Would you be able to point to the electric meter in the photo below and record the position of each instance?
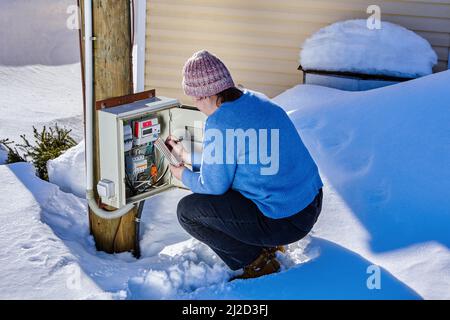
(146, 131)
(132, 167)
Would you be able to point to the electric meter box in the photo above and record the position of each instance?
(132, 168)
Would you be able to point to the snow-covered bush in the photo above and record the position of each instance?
(352, 47)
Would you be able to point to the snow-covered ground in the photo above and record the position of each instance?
(47, 253)
(35, 32)
(40, 95)
(383, 155)
(40, 72)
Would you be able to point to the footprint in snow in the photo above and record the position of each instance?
(333, 141)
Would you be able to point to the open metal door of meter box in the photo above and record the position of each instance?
(144, 120)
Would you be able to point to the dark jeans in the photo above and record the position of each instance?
(237, 230)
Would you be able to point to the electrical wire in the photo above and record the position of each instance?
(130, 184)
(160, 178)
(116, 233)
(152, 185)
(135, 190)
(137, 247)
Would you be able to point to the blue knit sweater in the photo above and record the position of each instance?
(266, 161)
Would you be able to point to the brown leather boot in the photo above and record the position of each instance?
(265, 264)
(274, 250)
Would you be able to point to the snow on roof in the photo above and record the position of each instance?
(351, 46)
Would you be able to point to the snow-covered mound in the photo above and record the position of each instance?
(35, 32)
(386, 151)
(351, 46)
(384, 154)
(68, 171)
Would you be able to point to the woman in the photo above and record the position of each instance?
(240, 208)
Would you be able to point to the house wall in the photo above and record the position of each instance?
(259, 40)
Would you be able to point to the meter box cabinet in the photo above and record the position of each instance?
(132, 168)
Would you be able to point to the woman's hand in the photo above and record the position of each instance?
(177, 172)
(178, 149)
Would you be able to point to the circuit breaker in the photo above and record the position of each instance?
(132, 168)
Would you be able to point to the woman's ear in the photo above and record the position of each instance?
(216, 101)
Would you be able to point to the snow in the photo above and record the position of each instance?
(40, 74)
(40, 96)
(336, 274)
(382, 153)
(68, 171)
(384, 156)
(47, 253)
(351, 46)
(36, 262)
(3, 155)
(37, 33)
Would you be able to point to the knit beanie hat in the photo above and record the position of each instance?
(204, 75)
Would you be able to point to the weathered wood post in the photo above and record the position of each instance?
(112, 78)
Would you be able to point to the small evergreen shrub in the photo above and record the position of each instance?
(13, 155)
(48, 144)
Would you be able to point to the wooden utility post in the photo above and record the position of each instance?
(112, 78)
